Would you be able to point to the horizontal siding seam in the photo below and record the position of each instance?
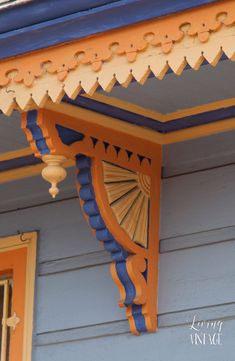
(167, 245)
(173, 319)
(201, 170)
(197, 239)
(38, 205)
(210, 243)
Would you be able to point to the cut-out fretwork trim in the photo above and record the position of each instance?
(187, 38)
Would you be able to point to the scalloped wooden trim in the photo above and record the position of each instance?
(189, 37)
(134, 267)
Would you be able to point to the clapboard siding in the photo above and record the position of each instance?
(76, 312)
(75, 262)
(90, 259)
(188, 279)
(63, 230)
(31, 192)
(69, 292)
(195, 278)
(198, 202)
(197, 154)
(168, 344)
(220, 312)
(217, 235)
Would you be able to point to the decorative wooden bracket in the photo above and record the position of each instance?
(118, 181)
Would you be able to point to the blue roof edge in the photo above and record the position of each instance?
(36, 28)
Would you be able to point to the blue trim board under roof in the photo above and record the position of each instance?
(39, 24)
(20, 162)
(132, 118)
(140, 120)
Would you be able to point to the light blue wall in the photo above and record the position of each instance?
(76, 312)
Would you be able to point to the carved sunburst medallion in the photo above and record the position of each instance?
(128, 195)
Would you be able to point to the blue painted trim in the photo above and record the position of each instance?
(91, 209)
(216, 115)
(127, 283)
(17, 163)
(31, 27)
(139, 318)
(36, 132)
(68, 136)
(43, 10)
(133, 118)
(118, 254)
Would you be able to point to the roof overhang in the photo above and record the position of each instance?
(152, 48)
(27, 25)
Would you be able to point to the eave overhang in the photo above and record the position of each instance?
(27, 25)
(134, 53)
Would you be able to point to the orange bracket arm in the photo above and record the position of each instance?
(118, 181)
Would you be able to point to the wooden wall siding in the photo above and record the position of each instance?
(63, 230)
(199, 154)
(76, 300)
(170, 344)
(33, 191)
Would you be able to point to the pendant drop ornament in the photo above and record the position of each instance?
(54, 172)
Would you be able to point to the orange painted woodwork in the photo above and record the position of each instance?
(15, 262)
(173, 42)
(129, 41)
(106, 155)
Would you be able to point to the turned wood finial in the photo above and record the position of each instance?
(54, 172)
